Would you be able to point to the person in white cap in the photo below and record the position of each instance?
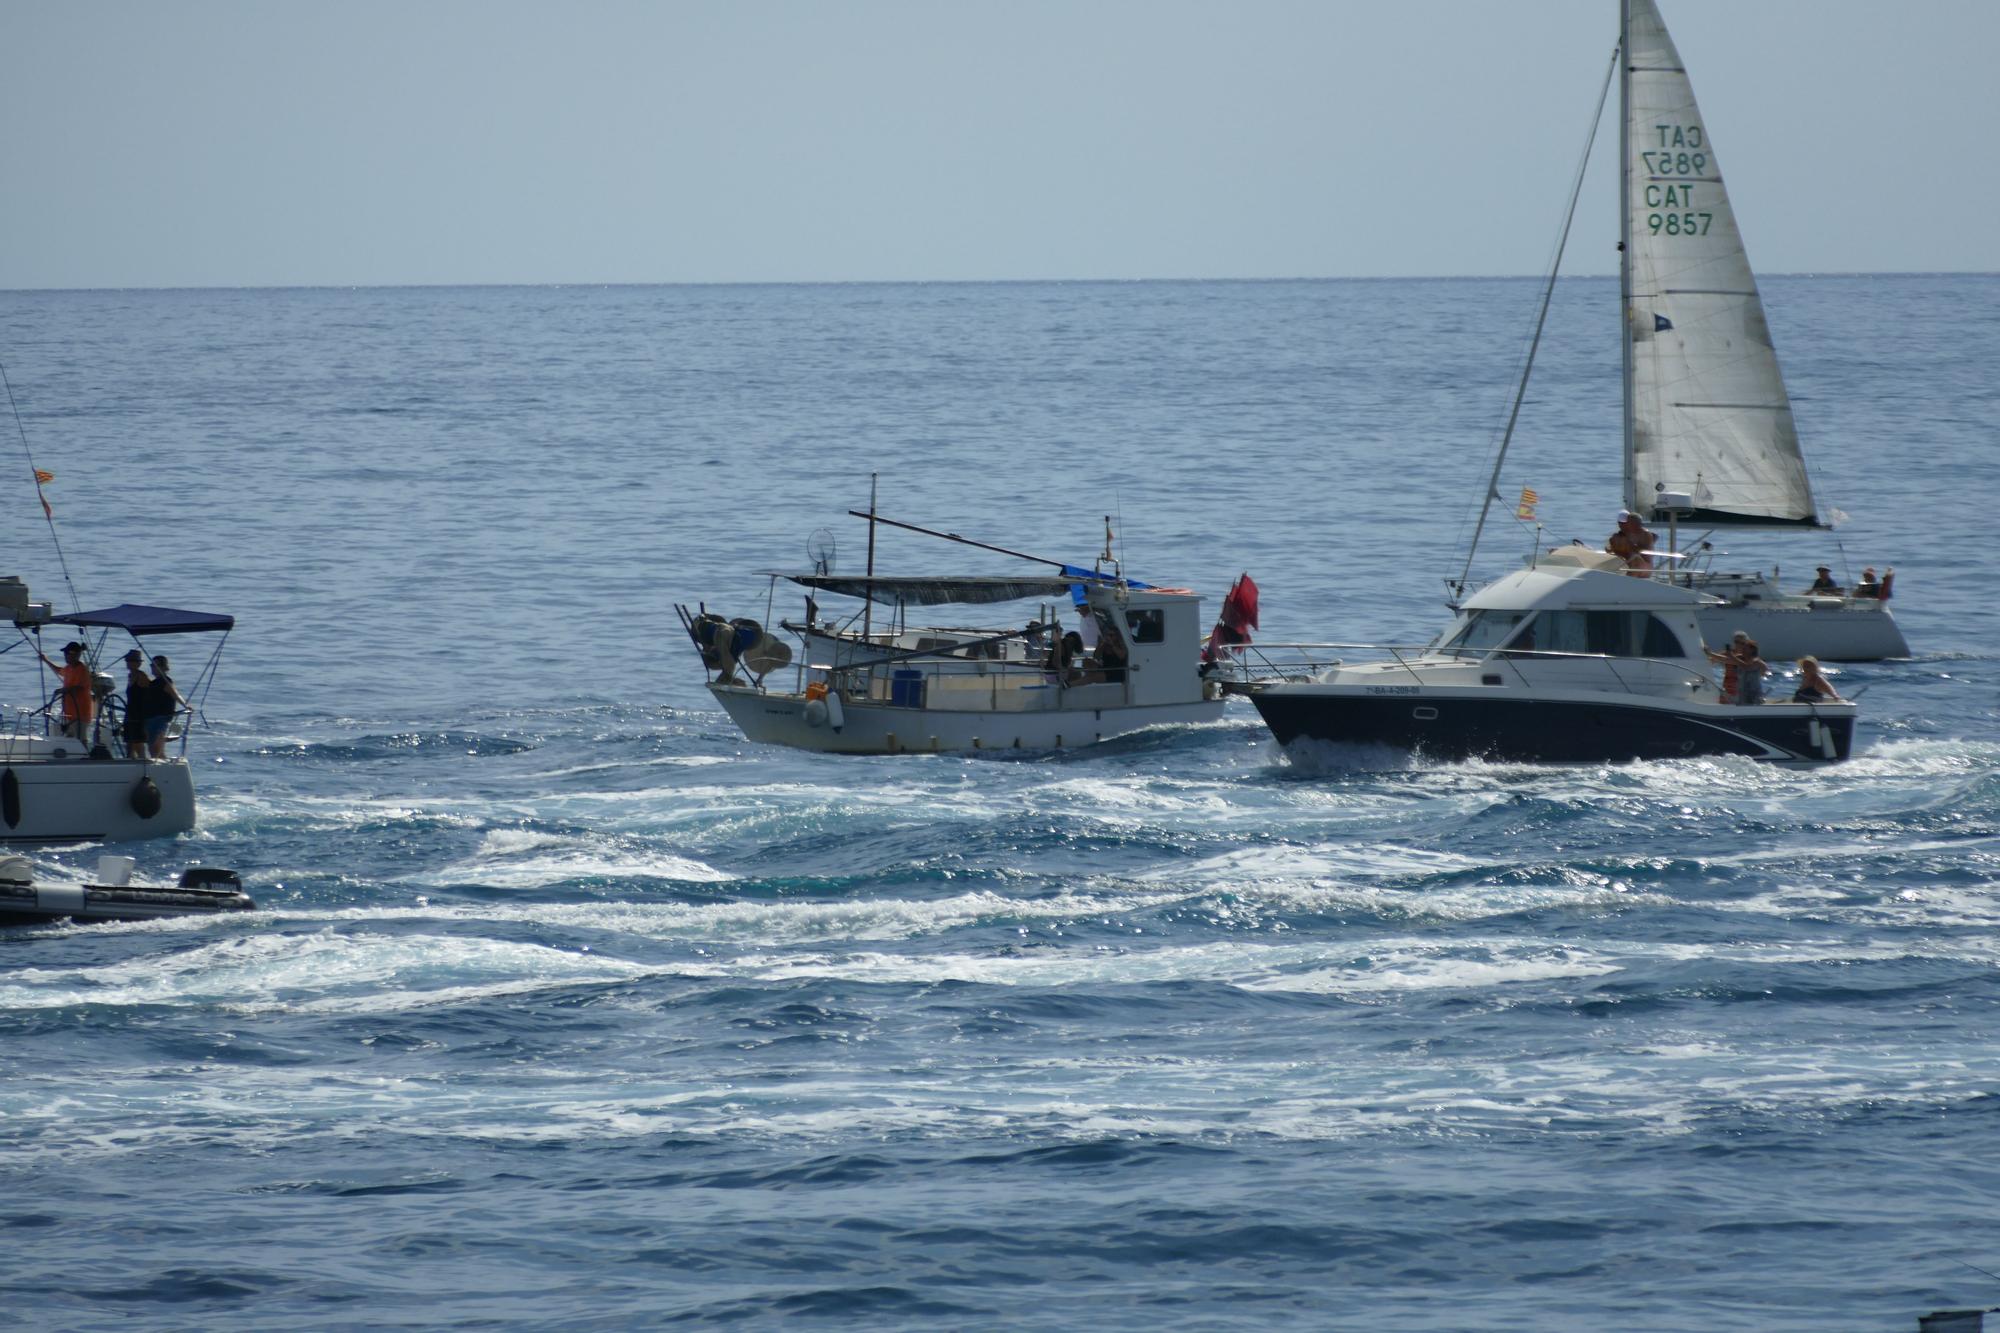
(1632, 544)
(1086, 628)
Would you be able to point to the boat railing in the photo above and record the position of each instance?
(1242, 667)
(1694, 677)
(920, 680)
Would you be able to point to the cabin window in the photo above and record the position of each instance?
(1484, 630)
(1599, 634)
(1148, 626)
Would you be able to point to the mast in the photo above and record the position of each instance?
(868, 604)
(1631, 483)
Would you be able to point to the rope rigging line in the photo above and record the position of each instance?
(1548, 291)
(35, 474)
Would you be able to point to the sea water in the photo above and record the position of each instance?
(568, 1007)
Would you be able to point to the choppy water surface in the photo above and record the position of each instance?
(570, 1007)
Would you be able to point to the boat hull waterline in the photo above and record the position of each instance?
(1466, 725)
(871, 728)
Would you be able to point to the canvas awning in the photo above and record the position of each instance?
(937, 590)
(137, 620)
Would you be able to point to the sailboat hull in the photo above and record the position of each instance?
(47, 795)
(1829, 628)
(1470, 724)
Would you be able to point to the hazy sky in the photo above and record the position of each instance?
(222, 143)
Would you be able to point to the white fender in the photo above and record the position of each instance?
(835, 714)
(815, 712)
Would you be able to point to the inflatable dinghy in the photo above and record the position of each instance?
(203, 891)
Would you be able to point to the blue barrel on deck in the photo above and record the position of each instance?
(906, 689)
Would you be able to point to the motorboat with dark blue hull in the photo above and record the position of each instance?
(1556, 731)
(1556, 665)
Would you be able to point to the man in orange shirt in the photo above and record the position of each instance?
(79, 703)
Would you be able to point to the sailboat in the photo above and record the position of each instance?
(1709, 438)
(93, 781)
(73, 766)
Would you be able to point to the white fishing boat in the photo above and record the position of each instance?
(1710, 444)
(1559, 664)
(79, 778)
(896, 687)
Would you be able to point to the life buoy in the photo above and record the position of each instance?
(145, 798)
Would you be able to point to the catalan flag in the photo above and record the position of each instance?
(1526, 509)
(41, 479)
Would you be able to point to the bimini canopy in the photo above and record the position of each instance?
(964, 589)
(137, 620)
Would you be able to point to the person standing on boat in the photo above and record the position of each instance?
(162, 702)
(1750, 669)
(1813, 687)
(1732, 667)
(138, 698)
(1086, 628)
(78, 703)
(1633, 544)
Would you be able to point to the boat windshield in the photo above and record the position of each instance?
(1484, 631)
(1599, 633)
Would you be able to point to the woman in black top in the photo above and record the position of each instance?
(162, 701)
(138, 702)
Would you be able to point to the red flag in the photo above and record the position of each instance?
(1239, 608)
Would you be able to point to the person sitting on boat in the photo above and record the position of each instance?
(1813, 686)
(79, 703)
(1086, 628)
(1066, 660)
(138, 693)
(1824, 586)
(1112, 655)
(1866, 586)
(1633, 544)
(162, 702)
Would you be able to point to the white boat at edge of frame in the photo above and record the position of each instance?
(56, 788)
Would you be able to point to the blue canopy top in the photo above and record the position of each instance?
(138, 620)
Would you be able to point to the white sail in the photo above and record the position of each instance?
(1706, 408)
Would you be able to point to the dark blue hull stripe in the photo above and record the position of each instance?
(1546, 730)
